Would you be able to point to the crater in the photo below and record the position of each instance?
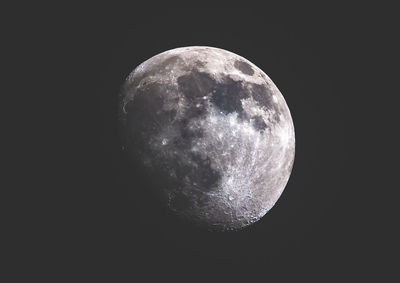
(244, 67)
(258, 123)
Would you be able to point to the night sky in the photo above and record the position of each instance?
(110, 230)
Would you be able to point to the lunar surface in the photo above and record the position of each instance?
(214, 130)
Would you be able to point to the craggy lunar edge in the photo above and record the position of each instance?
(214, 129)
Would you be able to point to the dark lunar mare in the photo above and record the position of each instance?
(225, 95)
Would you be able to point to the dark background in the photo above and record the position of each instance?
(98, 224)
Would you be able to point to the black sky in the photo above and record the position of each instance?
(321, 228)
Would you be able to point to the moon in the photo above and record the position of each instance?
(214, 130)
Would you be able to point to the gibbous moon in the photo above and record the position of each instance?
(214, 130)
